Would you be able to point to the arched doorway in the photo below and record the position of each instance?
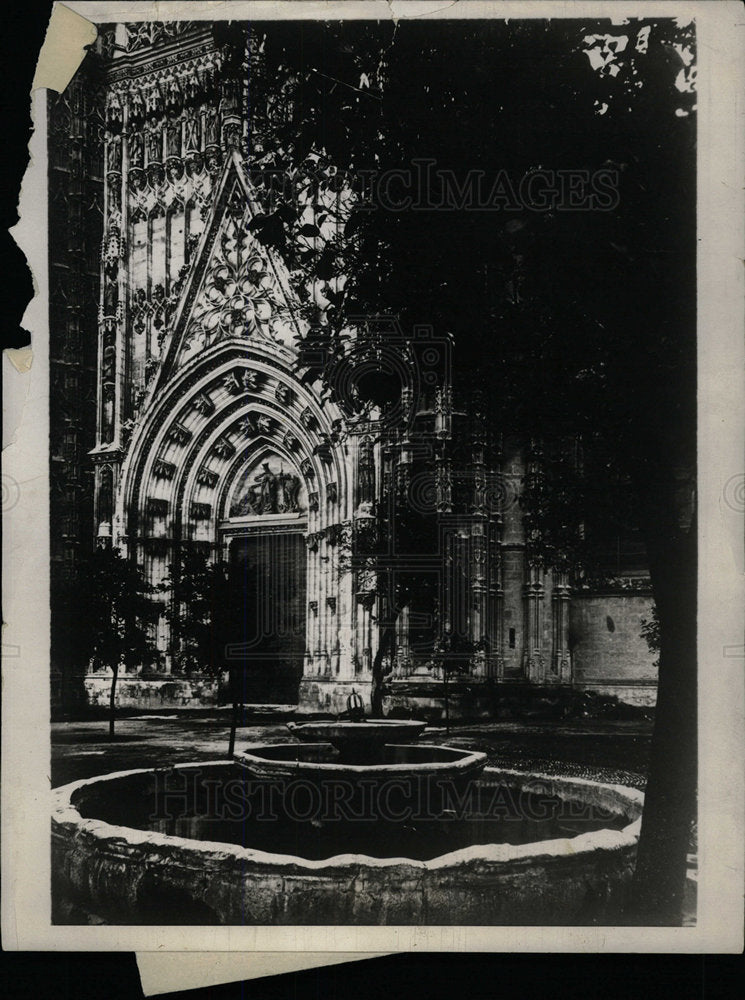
(267, 558)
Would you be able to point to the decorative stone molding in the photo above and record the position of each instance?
(313, 501)
(284, 394)
(178, 433)
(313, 540)
(201, 511)
(206, 477)
(163, 470)
(332, 493)
(241, 380)
(204, 404)
(334, 533)
(157, 507)
(248, 426)
(306, 467)
(223, 448)
(308, 420)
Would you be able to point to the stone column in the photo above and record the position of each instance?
(495, 630)
(533, 593)
(561, 663)
(346, 610)
(477, 586)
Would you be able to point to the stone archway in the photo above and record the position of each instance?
(193, 475)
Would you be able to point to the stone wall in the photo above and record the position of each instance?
(608, 652)
(152, 692)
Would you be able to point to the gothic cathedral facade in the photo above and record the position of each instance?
(207, 435)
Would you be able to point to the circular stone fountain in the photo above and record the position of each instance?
(307, 833)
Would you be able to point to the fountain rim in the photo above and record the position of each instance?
(64, 812)
(469, 758)
(362, 725)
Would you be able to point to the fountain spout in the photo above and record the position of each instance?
(355, 707)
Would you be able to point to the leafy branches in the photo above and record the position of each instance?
(198, 611)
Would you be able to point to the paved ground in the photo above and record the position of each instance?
(616, 751)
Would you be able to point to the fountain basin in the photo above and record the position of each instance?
(400, 774)
(317, 761)
(105, 869)
(359, 742)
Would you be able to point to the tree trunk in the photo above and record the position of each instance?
(670, 797)
(387, 641)
(112, 699)
(237, 705)
(233, 728)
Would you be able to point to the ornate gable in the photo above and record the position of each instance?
(237, 288)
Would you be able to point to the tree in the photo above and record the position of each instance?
(197, 611)
(117, 616)
(545, 220)
(204, 620)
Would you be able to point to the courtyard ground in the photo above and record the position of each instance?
(609, 750)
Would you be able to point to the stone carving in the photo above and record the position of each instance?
(237, 294)
(136, 149)
(157, 507)
(313, 540)
(213, 161)
(174, 97)
(201, 511)
(307, 419)
(115, 154)
(248, 426)
(114, 114)
(444, 487)
(211, 128)
(231, 135)
(332, 492)
(163, 470)
(291, 442)
(366, 472)
(180, 434)
(224, 448)
(334, 533)
(204, 404)
(284, 394)
(241, 380)
(173, 138)
(191, 133)
(270, 493)
(154, 146)
(154, 102)
(205, 477)
(306, 467)
(136, 109)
